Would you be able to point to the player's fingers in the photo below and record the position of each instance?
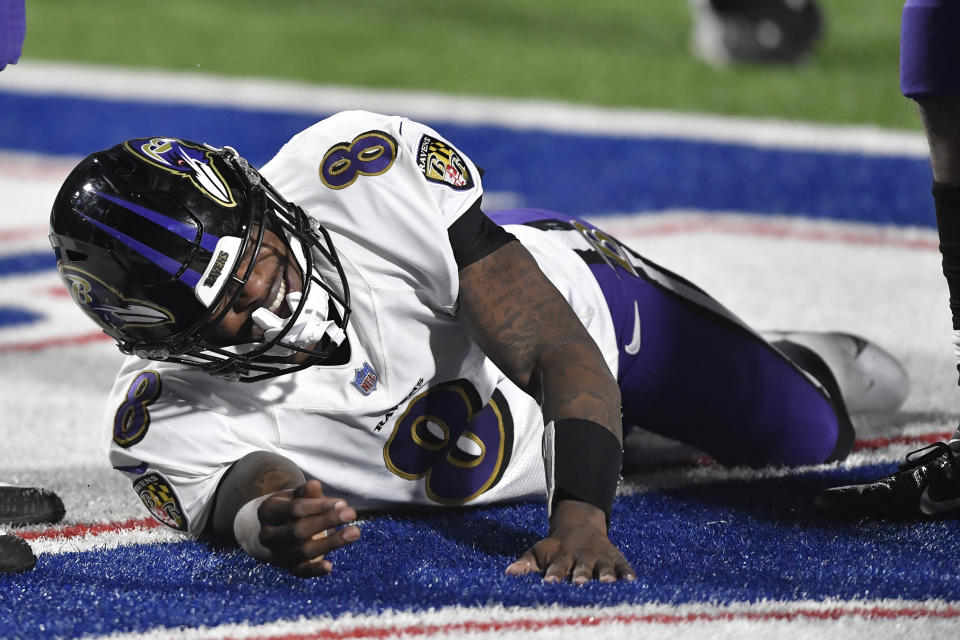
(310, 537)
(291, 534)
(625, 571)
(309, 489)
(280, 509)
(326, 541)
(525, 565)
(583, 571)
(558, 568)
(308, 558)
(606, 570)
(305, 507)
(307, 528)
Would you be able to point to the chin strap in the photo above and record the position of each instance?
(308, 328)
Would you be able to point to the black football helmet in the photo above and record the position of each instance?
(756, 31)
(149, 237)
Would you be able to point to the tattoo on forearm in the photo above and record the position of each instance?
(529, 330)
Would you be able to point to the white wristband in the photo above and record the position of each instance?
(549, 463)
(246, 529)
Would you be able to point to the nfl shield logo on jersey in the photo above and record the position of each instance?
(365, 379)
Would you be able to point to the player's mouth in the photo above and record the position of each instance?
(287, 280)
(274, 306)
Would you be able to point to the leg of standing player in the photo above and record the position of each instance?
(13, 28)
(15, 553)
(928, 482)
(929, 50)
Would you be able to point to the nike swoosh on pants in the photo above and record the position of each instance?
(634, 345)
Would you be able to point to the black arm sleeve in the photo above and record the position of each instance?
(474, 236)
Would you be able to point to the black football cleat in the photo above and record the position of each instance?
(15, 554)
(926, 484)
(29, 505)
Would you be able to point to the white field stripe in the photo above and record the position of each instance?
(691, 221)
(623, 621)
(273, 94)
(106, 540)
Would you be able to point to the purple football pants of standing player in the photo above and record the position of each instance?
(700, 375)
(13, 28)
(930, 48)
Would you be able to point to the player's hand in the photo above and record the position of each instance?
(577, 547)
(301, 526)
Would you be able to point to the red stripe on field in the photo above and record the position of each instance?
(527, 624)
(40, 345)
(78, 530)
(21, 233)
(880, 443)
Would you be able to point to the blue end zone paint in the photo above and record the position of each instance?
(726, 542)
(77, 126)
(577, 174)
(13, 316)
(25, 263)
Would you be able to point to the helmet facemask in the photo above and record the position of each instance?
(318, 303)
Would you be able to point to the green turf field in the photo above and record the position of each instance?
(615, 52)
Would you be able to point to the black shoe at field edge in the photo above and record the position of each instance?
(15, 554)
(926, 484)
(29, 505)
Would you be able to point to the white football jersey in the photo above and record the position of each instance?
(418, 416)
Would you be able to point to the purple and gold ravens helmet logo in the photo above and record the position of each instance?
(105, 305)
(179, 157)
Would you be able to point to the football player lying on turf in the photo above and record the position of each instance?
(359, 322)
